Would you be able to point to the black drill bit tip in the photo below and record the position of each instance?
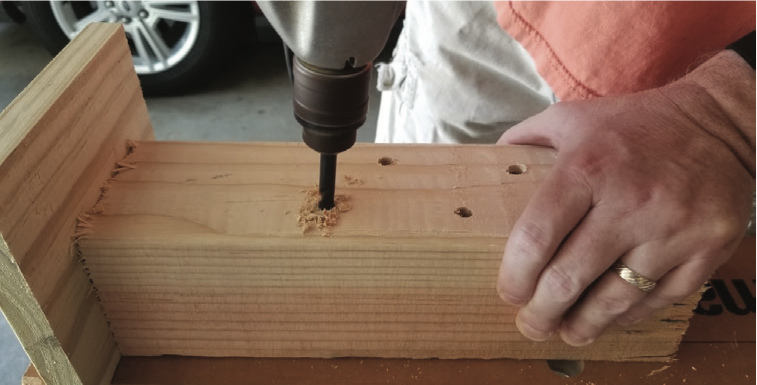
(326, 186)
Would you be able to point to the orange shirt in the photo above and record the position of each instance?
(589, 49)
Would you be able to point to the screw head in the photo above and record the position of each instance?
(143, 14)
(126, 20)
(109, 4)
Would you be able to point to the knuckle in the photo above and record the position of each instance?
(612, 305)
(560, 285)
(581, 176)
(715, 237)
(530, 239)
(724, 229)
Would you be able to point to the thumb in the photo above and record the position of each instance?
(539, 130)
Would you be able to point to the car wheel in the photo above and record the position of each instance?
(175, 45)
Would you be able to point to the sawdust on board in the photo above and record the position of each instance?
(313, 218)
(351, 180)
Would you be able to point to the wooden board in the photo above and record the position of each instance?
(717, 348)
(59, 142)
(197, 252)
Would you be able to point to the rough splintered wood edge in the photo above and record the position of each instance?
(61, 329)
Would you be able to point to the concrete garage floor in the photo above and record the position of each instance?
(251, 101)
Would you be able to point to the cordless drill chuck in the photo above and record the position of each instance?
(330, 105)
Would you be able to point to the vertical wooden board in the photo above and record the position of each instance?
(59, 142)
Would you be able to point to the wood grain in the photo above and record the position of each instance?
(59, 142)
(197, 252)
(728, 356)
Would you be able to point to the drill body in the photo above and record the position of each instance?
(334, 44)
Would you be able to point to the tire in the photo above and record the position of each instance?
(202, 50)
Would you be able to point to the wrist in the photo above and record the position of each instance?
(719, 97)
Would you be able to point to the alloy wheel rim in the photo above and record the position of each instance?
(160, 33)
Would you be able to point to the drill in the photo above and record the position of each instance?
(334, 44)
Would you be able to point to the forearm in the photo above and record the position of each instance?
(719, 96)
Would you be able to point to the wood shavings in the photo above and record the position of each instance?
(121, 167)
(352, 180)
(123, 164)
(313, 218)
(658, 371)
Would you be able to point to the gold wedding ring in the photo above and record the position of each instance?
(639, 281)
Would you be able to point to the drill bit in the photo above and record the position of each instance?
(327, 181)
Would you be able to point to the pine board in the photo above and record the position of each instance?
(59, 142)
(197, 252)
(717, 348)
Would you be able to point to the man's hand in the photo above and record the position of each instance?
(660, 180)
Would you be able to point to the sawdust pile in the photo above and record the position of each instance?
(351, 181)
(313, 218)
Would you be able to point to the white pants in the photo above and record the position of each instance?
(456, 77)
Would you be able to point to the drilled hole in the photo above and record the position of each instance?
(386, 161)
(464, 212)
(516, 169)
(566, 368)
